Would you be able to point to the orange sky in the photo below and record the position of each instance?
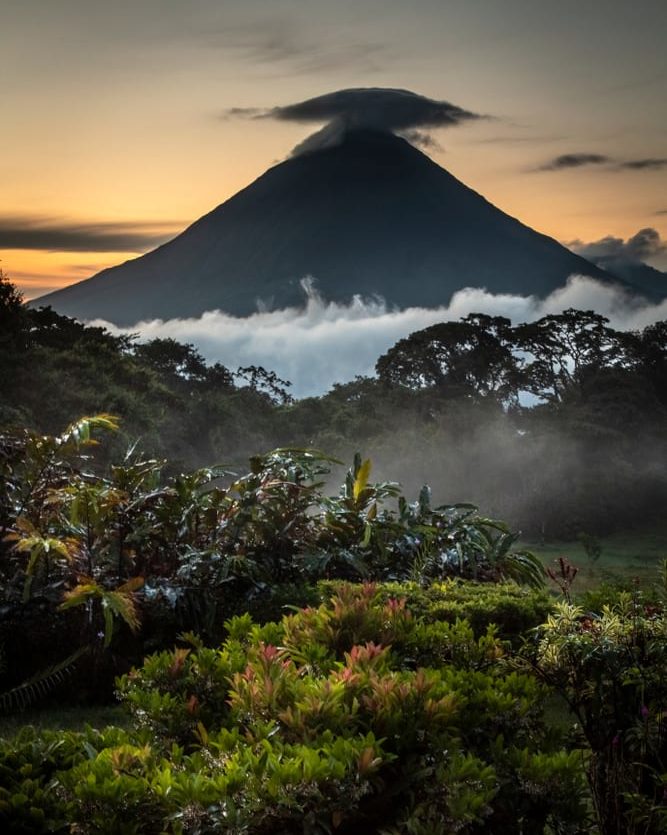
(114, 120)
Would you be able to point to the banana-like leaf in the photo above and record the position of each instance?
(82, 592)
(119, 603)
(123, 605)
(133, 584)
(79, 433)
(361, 479)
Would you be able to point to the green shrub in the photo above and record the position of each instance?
(353, 715)
(31, 794)
(514, 610)
(611, 668)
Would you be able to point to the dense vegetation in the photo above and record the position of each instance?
(296, 659)
(76, 547)
(373, 712)
(567, 412)
(415, 705)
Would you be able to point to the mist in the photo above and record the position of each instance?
(324, 342)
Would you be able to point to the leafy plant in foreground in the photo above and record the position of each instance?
(183, 553)
(437, 725)
(610, 668)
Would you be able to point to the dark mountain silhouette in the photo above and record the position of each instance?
(371, 216)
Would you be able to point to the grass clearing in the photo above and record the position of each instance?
(635, 556)
(64, 718)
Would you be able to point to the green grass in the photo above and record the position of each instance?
(635, 556)
(64, 718)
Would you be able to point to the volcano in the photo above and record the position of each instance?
(369, 216)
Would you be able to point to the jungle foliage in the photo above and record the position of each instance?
(85, 555)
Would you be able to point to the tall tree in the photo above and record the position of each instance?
(559, 348)
(470, 358)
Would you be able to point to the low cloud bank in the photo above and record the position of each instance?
(323, 342)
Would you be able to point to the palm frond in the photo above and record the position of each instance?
(39, 685)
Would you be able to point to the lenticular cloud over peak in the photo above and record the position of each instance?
(378, 108)
(365, 108)
(325, 342)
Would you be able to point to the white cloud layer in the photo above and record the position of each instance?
(324, 343)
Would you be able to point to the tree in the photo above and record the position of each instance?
(267, 383)
(13, 337)
(172, 360)
(471, 358)
(652, 354)
(561, 347)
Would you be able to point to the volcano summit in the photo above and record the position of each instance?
(368, 215)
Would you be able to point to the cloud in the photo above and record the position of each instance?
(649, 164)
(422, 140)
(373, 107)
(645, 244)
(573, 161)
(661, 212)
(87, 269)
(377, 108)
(55, 235)
(32, 284)
(324, 342)
(282, 45)
(579, 160)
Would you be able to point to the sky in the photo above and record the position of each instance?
(121, 122)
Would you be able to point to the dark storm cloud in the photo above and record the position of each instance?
(649, 164)
(573, 161)
(55, 235)
(647, 243)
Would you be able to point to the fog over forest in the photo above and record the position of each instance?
(325, 342)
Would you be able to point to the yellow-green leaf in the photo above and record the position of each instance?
(361, 480)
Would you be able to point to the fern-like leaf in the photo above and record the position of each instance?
(39, 685)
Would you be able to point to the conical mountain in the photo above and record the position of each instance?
(371, 215)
